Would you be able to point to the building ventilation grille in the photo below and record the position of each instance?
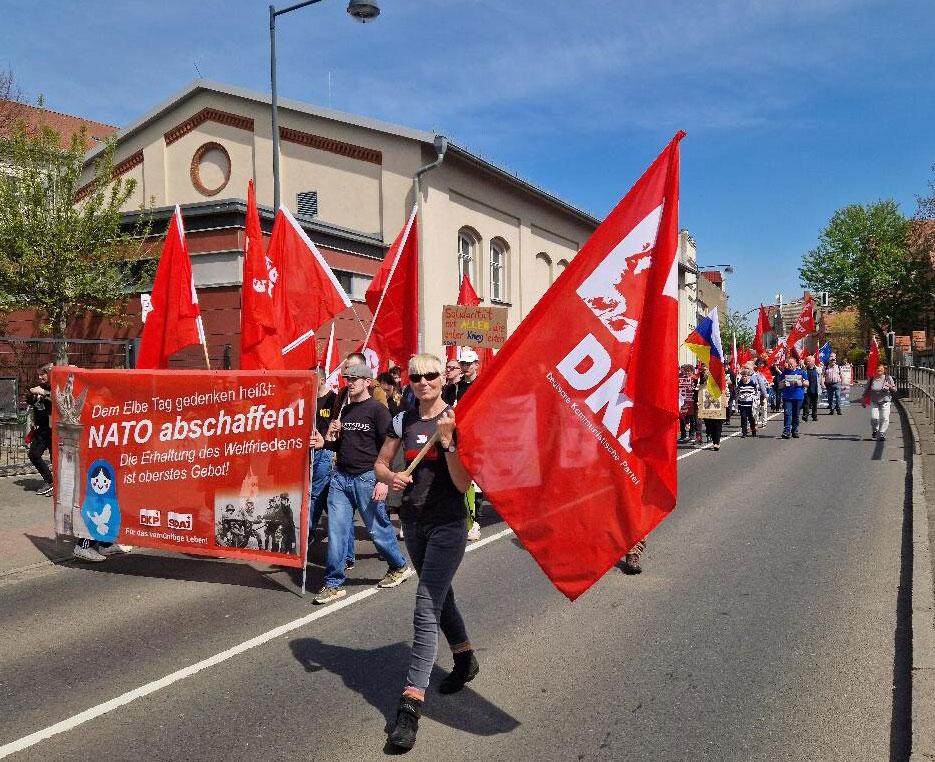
(307, 203)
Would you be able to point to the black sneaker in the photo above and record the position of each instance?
(881, 437)
(465, 670)
(403, 736)
(785, 436)
(795, 434)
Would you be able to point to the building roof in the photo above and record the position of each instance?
(714, 276)
(65, 125)
(204, 85)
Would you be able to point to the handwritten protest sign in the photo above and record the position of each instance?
(473, 326)
(212, 463)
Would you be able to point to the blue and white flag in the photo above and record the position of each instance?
(824, 354)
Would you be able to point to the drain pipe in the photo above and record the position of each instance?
(441, 145)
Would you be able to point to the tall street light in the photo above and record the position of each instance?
(360, 10)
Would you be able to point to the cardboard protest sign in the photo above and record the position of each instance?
(203, 462)
(710, 406)
(473, 326)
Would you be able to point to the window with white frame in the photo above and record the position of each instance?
(467, 255)
(498, 271)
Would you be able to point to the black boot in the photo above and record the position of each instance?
(465, 670)
(403, 735)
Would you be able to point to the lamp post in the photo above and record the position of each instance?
(361, 10)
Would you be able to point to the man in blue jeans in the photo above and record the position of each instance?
(793, 383)
(363, 426)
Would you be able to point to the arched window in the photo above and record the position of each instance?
(543, 274)
(560, 267)
(499, 270)
(467, 255)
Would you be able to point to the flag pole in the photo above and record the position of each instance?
(204, 342)
(389, 279)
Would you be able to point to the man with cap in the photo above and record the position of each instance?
(357, 442)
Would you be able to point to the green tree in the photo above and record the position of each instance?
(736, 324)
(866, 259)
(63, 249)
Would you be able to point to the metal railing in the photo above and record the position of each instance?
(920, 385)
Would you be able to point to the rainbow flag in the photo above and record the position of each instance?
(705, 343)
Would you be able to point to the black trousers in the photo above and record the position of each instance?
(41, 441)
(746, 417)
(810, 406)
(712, 427)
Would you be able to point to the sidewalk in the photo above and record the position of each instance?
(923, 588)
(26, 529)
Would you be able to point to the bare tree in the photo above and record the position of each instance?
(11, 101)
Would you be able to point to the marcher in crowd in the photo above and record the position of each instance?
(812, 391)
(879, 395)
(777, 370)
(793, 384)
(731, 392)
(833, 381)
(322, 458)
(452, 377)
(39, 399)
(760, 377)
(393, 396)
(354, 486)
(715, 410)
(434, 520)
(748, 398)
(687, 402)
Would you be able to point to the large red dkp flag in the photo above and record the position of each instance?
(571, 431)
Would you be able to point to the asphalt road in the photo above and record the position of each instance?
(770, 623)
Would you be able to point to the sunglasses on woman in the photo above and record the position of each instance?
(417, 377)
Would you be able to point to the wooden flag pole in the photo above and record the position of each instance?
(422, 453)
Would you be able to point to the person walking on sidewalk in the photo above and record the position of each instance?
(833, 380)
(435, 524)
(39, 399)
(879, 394)
(354, 486)
(793, 384)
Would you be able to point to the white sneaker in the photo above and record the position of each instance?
(474, 532)
(114, 550)
(81, 553)
(394, 577)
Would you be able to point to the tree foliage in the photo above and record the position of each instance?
(736, 324)
(867, 259)
(63, 250)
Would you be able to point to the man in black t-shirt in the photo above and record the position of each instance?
(364, 423)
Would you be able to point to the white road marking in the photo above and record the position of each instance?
(137, 693)
(729, 436)
(145, 690)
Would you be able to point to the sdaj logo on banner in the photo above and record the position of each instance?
(204, 462)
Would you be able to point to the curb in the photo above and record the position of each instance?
(923, 610)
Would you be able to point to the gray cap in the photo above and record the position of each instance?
(360, 370)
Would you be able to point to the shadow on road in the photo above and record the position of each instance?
(377, 675)
(184, 568)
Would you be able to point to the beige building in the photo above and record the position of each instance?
(349, 181)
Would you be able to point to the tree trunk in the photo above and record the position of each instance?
(59, 327)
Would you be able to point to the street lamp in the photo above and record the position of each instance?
(360, 10)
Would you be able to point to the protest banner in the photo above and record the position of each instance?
(903, 343)
(465, 325)
(918, 341)
(204, 462)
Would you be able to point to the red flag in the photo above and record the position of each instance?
(571, 430)
(393, 298)
(260, 347)
(745, 355)
(175, 319)
(873, 362)
(468, 297)
(803, 326)
(307, 294)
(762, 327)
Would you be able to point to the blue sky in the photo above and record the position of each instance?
(792, 109)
